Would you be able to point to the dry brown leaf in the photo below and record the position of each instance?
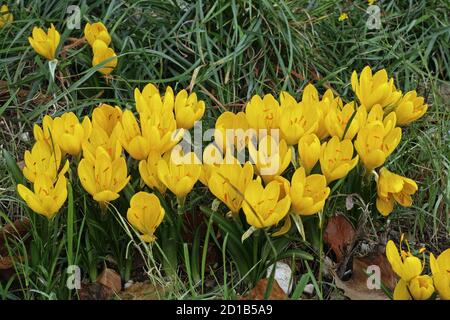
(339, 234)
(95, 291)
(110, 279)
(142, 291)
(259, 291)
(356, 288)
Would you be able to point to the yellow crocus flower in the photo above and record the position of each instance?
(188, 109)
(271, 158)
(179, 176)
(145, 214)
(308, 151)
(5, 15)
(343, 16)
(148, 169)
(263, 113)
(440, 268)
(409, 268)
(336, 158)
(150, 102)
(393, 188)
(375, 89)
(131, 138)
(296, 119)
(337, 120)
(104, 178)
(99, 138)
(43, 43)
(69, 133)
(47, 197)
(45, 160)
(102, 52)
(212, 158)
(377, 140)
(308, 193)
(96, 31)
(263, 207)
(231, 131)
(228, 183)
(106, 117)
(44, 133)
(410, 108)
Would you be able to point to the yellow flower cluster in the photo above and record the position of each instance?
(413, 284)
(96, 34)
(5, 15)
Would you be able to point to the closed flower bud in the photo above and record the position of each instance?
(96, 31)
(69, 133)
(43, 43)
(101, 53)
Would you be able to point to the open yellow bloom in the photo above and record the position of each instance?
(145, 214)
(5, 15)
(377, 140)
(271, 158)
(441, 273)
(212, 158)
(101, 53)
(336, 121)
(45, 160)
(309, 151)
(96, 31)
(47, 197)
(296, 119)
(43, 43)
(44, 133)
(150, 102)
(228, 183)
(409, 269)
(104, 178)
(179, 175)
(69, 133)
(308, 193)
(99, 138)
(106, 117)
(393, 188)
(263, 113)
(188, 109)
(343, 16)
(375, 89)
(231, 131)
(131, 138)
(263, 207)
(410, 108)
(336, 158)
(148, 170)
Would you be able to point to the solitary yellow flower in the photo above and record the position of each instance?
(441, 273)
(337, 120)
(263, 113)
(336, 158)
(343, 16)
(409, 268)
(393, 188)
(228, 183)
(145, 214)
(106, 117)
(309, 151)
(296, 119)
(96, 31)
(179, 177)
(47, 197)
(45, 160)
(148, 170)
(231, 131)
(263, 207)
(377, 140)
(188, 109)
(101, 53)
(308, 193)
(43, 43)
(410, 108)
(44, 133)
(375, 89)
(271, 158)
(104, 178)
(5, 15)
(69, 133)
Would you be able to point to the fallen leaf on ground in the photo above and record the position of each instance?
(142, 291)
(339, 233)
(95, 291)
(361, 285)
(110, 279)
(259, 291)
